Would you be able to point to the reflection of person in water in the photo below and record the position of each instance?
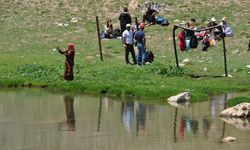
(140, 118)
(186, 124)
(127, 114)
(69, 109)
(182, 127)
(206, 126)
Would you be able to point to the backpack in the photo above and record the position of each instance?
(159, 20)
(117, 33)
(102, 35)
(193, 42)
(165, 23)
(149, 57)
(205, 43)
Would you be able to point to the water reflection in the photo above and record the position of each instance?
(140, 118)
(223, 102)
(206, 126)
(127, 113)
(108, 104)
(187, 125)
(108, 124)
(175, 124)
(69, 109)
(99, 115)
(131, 109)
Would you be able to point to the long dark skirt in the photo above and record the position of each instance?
(68, 72)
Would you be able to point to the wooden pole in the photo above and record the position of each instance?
(99, 38)
(136, 24)
(225, 55)
(175, 50)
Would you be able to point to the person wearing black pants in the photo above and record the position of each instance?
(129, 48)
(127, 41)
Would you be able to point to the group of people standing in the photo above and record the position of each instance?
(128, 37)
(135, 35)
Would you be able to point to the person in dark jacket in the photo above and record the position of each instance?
(150, 16)
(125, 19)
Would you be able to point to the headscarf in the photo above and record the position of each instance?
(71, 46)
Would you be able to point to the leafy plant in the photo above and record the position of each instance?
(38, 72)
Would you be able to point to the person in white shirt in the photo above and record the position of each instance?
(127, 41)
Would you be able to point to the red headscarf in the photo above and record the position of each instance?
(71, 46)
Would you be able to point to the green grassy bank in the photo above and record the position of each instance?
(30, 31)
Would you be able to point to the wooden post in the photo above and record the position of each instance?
(136, 24)
(99, 39)
(225, 55)
(175, 50)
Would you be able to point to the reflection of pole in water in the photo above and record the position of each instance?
(224, 123)
(69, 109)
(99, 115)
(175, 122)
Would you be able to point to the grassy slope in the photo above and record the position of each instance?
(29, 33)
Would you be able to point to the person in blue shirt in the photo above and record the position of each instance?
(141, 45)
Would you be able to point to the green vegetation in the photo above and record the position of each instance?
(238, 100)
(30, 31)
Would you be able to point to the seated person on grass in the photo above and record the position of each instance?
(150, 16)
(108, 29)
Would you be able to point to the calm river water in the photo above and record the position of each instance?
(34, 119)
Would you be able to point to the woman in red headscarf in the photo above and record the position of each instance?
(69, 61)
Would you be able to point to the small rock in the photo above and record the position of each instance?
(227, 75)
(73, 20)
(181, 64)
(228, 139)
(186, 60)
(182, 97)
(248, 66)
(176, 21)
(65, 24)
(60, 24)
(236, 51)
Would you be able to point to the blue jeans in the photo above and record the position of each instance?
(141, 54)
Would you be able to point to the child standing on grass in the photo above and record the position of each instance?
(69, 61)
